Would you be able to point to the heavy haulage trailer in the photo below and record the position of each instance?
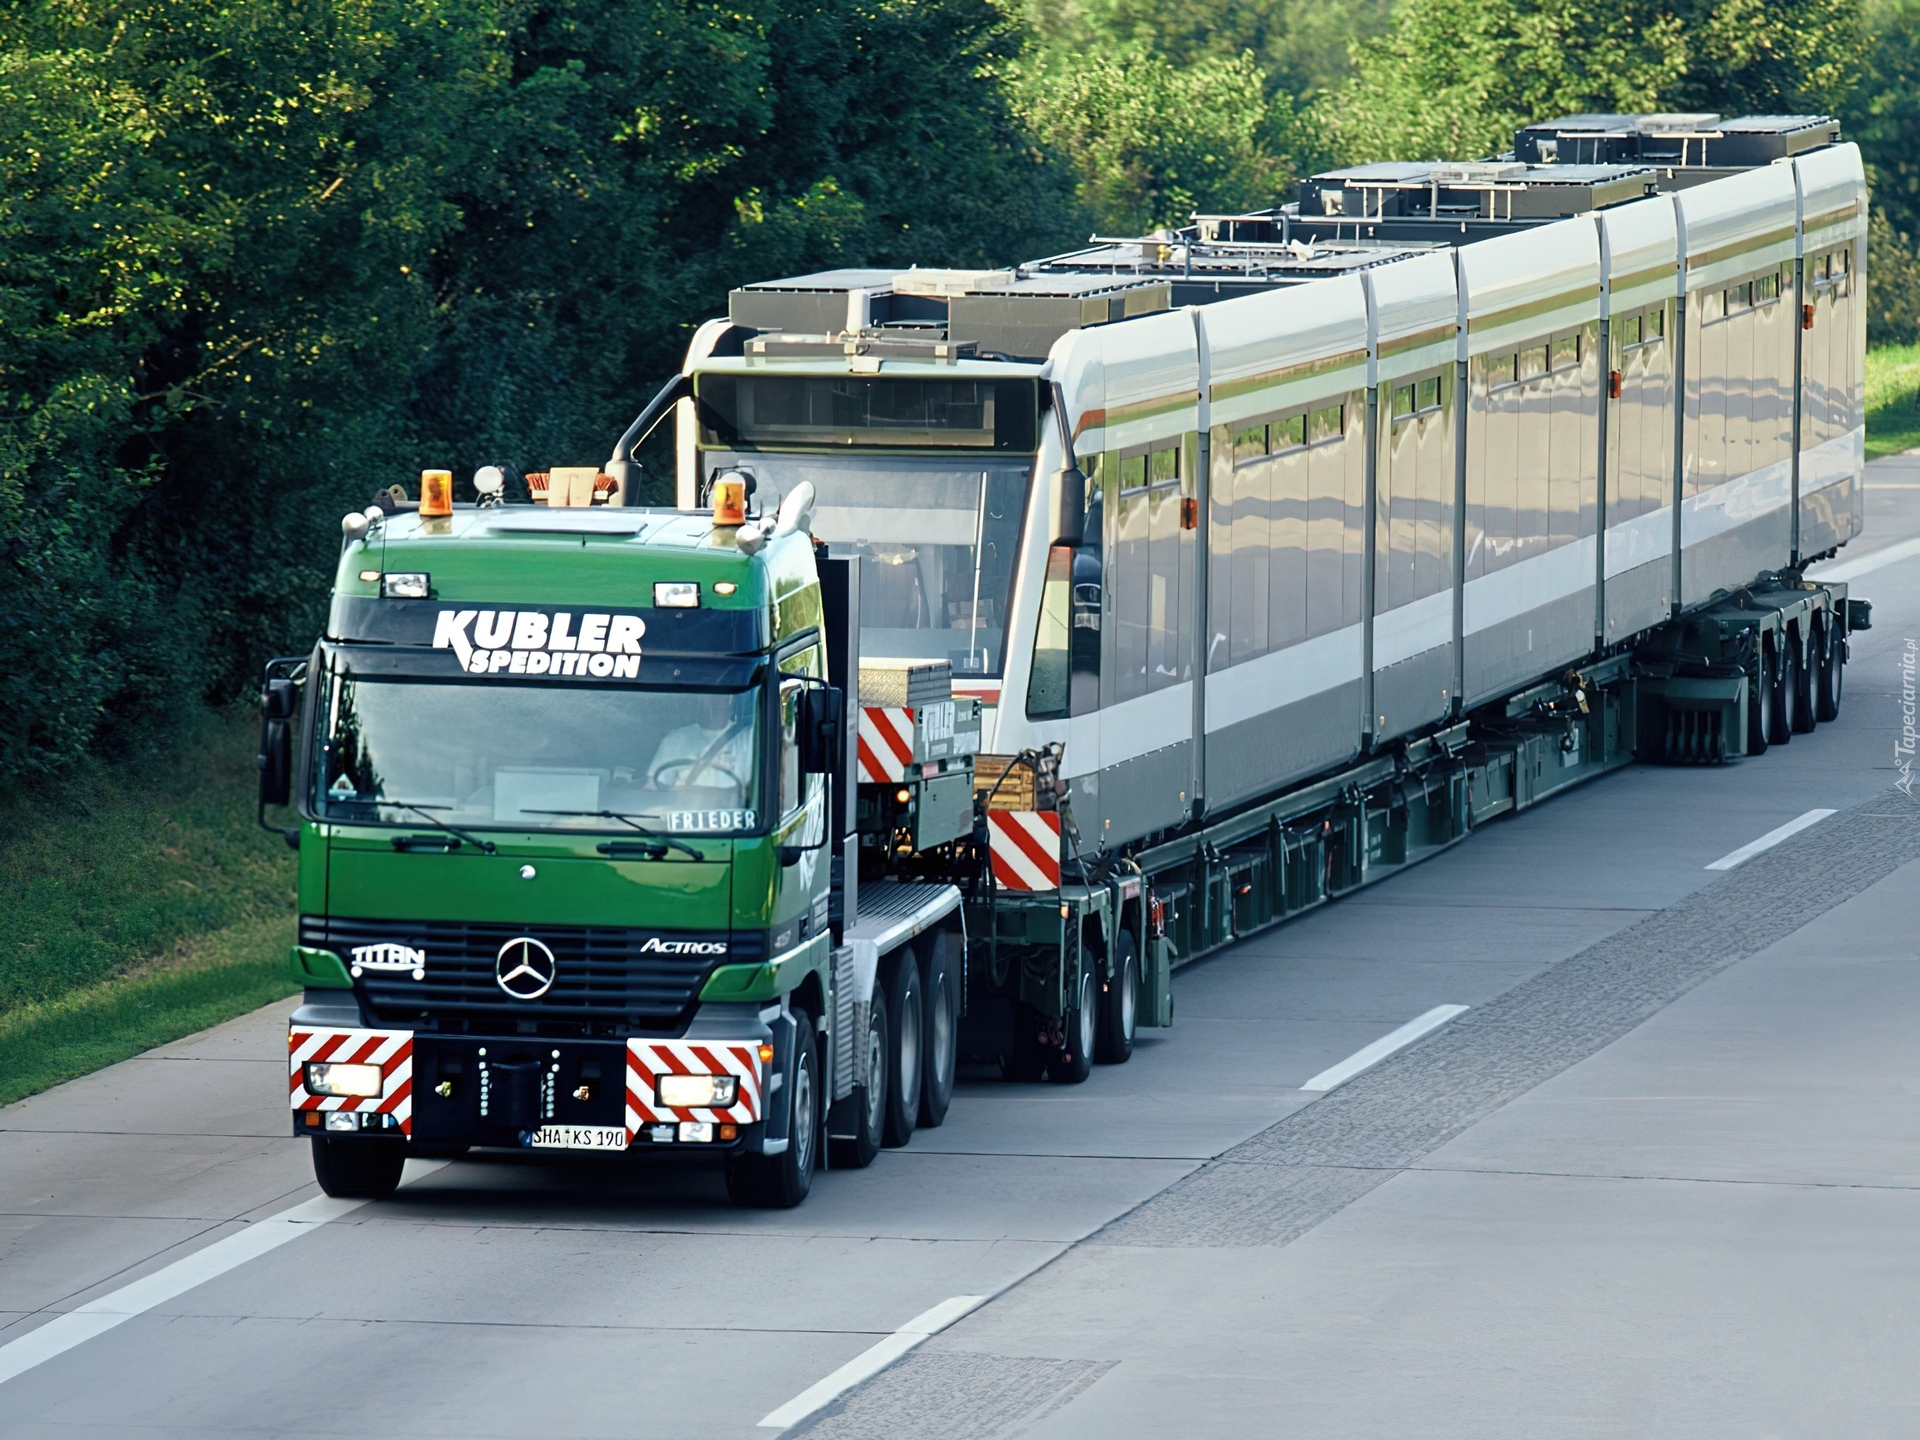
(1019, 636)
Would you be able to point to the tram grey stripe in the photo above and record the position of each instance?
(1287, 1179)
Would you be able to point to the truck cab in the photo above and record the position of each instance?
(563, 777)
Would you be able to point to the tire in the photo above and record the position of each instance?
(904, 1014)
(940, 979)
(856, 1151)
(1073, 1062)
(1833, 663)
(1780, 703)
(1759, 710)
(1120, 1004)
(780, 1182)
(348, 1167)
(1804, 673)
(1028, 1061)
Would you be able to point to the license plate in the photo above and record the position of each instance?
(579, 1137)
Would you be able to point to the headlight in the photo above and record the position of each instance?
(691, 1091)
(324, 1079)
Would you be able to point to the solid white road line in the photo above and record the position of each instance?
(1769, 840)
(96, 1317)
(1383, 1047)
(872, 1361)
(1848, 569)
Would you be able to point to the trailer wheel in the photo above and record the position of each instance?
(1780, 702)
(1833, 660)
(942, 981)
(1759, 710)
(780, 1182)
(856, 1151)
(1073, 1061)
(1805, 673)
(903, 1070)
(352, 1168)
(1120, 1005)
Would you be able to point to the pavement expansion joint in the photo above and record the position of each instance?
(1762, 1181)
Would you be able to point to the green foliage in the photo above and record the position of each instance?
(1893, 284)
(1302, 45)
(1893, 399)
(121, 867)
(1152, 141)
(1453, 79)
(1883, 111)
(258, 260)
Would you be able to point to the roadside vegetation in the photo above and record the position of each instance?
(142, 904)
(260, 258)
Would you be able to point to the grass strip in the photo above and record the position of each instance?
(208, 980)
(1893, 399)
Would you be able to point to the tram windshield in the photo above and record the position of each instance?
(937, 541)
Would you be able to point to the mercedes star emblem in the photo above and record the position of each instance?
(525, 969)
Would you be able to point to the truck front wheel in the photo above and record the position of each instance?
(780, 1182)
(356, 1169)
(868, 1103)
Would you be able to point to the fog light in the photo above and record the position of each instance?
(327, 1079)
(688, 1092)
(660, 1134)
(676, 594)
(404, 585)
(339, 1120)
(696, 1132)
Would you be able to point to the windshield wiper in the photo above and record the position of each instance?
(486, 847)
(664, 841)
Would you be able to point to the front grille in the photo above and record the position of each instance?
(604, 982)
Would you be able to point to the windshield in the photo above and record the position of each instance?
(938, 545)
(752, 411)
(524, 757)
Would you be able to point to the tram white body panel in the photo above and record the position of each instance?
(1285, 642)
(1530, 303)
(1639, 259)
(1833, 434)
(1737, 241)
(1412, 321)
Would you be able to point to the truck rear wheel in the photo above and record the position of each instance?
(1120, 1004)
(1780, 700)
(1073, 1061)
(1759, 697)
(941, 978)
(903, 1071)
(348, 1167)
(780, 1182)
(1833, 659)
(1805, 670)
(869, 1098)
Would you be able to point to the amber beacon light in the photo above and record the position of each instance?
(436, 493)
(730, 501)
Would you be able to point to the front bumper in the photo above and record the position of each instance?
(526, 1091)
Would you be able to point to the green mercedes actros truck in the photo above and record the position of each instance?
(1019, 635)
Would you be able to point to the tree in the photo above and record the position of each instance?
(1151, 141)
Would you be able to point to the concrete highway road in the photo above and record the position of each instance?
(1659, 1178)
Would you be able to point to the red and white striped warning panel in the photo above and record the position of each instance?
(648, 1060)
(1025, 848)
(391, 1050)
(886, 743)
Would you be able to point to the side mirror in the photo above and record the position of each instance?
(278, 701)
(821, 728)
